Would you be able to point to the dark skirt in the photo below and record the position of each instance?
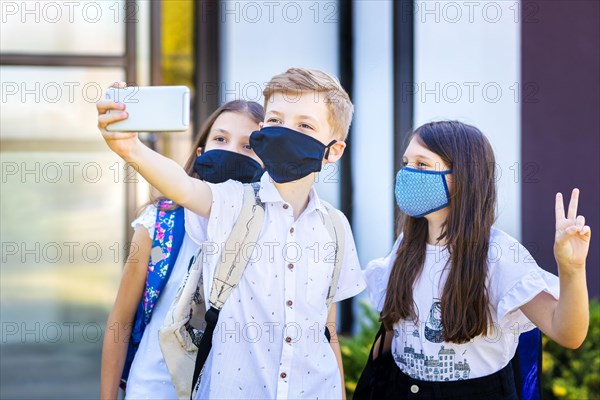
(398, 385)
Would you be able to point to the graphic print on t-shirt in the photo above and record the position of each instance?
(437, 364)
(422, 357)
(433, 326)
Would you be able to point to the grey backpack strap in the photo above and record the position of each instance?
(232, 262)
(229, 270)
(335, 227)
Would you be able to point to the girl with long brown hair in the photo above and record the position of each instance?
(131, 356)
(455, 292)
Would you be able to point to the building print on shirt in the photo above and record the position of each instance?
(433, 326)
(442, 368)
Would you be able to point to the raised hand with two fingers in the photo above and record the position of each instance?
(572, 237)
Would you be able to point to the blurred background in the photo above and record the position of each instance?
(525, 72)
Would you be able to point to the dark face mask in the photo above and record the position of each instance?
(288, 155)
(217, 166)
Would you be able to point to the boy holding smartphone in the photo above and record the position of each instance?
(270, 338)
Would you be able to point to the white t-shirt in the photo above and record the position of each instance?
(513, 280)
(149, 377)
(270, 339)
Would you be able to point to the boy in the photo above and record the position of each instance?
(270, 338)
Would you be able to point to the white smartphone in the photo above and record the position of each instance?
(152, 108)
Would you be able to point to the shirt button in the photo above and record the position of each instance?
(285, 206)
(291, 266)
(291, 230)
(283, 375)
(288, 339)
(414, 389)
(289, 303)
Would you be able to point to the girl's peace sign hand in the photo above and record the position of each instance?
(572, 238)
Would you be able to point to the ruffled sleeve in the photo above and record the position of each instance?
(529, 286)
(515, 279)
(147, 219)
(377, 275)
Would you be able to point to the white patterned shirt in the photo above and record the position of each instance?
(270, 338)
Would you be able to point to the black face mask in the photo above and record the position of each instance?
(288, 155)
(217, 166)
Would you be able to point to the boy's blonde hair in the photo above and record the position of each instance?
(298, 80)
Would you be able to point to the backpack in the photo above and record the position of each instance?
(168, 236)
(527, 365)
(186, 336)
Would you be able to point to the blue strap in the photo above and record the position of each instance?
(170, 244)
(178, 234)
(530, 360)
(168, 236)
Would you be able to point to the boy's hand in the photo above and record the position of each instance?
(572, 238)
(121, 143)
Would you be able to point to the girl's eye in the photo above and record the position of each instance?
(219, 139)
(273, 120)
(306, 126)
(417, 164)
(248, 147)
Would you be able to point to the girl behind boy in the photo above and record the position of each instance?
(457, 292)
(221, 152)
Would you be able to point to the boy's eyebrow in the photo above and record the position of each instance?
(308, 117)
(301, 117)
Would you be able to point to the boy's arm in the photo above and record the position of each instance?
(119, 323)
(335, 344)
(566, 321)
(161, 172)
(171, 180)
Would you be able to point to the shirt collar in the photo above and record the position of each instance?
(269, 194)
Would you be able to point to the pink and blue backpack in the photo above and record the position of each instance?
(169, 231)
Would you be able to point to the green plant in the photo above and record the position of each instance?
(355, 349)
(573, 374)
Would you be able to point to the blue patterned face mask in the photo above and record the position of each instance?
(420, 192)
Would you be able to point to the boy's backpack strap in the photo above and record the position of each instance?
(229, 270)
(232, 263)
(335, 227)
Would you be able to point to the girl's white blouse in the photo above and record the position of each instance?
(513, 279)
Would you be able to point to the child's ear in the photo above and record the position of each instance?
(260, 125)
(335, 151)
(198, 151)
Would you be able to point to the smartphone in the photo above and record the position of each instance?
(152, 108)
